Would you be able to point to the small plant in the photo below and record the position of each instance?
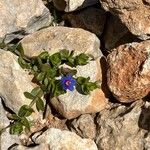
(52, 79)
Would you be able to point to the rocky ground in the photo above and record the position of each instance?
(117, 34)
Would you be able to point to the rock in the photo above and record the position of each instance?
(53, 39)
(21, 17)
(8, 141)
(131, 14)
(129, 71)
(84, 126)
(14, 81)
(4, 120)
(91, 19)
(38, 147)
(66, 140)
(124, 127)
(116, 33)
(71, 5)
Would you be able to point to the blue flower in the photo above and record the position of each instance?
(68, 82)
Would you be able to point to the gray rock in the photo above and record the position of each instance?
(66, 140)
(134, 14)
(91, 19)
(124, 127)
(84, 126)
(71, 5)
(21, 17)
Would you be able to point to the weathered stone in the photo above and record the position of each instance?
(84, 126)
(38, 147)
(66, 140)
(7, 141)
(124, 127)
(91, 19)
(21, 17)
(4, 120)
(115, 30)
(129, 71)
(134, 14)
(53, 39)
(14, 81)
(71, 5)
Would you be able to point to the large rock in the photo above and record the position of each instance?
(71, 5)
(66, 140)
(124, 127)
(14, 81)
(84, 19)
(20, 17)
(53, 39)
(84, 126)
(116, 33)
(134, 14)
(129, 71)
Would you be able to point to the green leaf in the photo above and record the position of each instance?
(40, 104)
(44, 55)
(67, 71)
(16, 128)
(25, 122)
(29, 95)
(55, 59)
(25, 111)
(19, 48)
(52, 73)
(13, 117)
(46, 82)
(22, 62)
(45, 67)
(81, 80)
(40, 76)
(37, 91)
(91, 86)
(81, 59)
(64, 54)
(71, 61)
(85, 89)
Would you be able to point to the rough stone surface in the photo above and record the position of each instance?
(7, 140)
(53, 39)
(4, 120)
(84, 126)
(116, 33)
(124, 127)
(66, 140)
(73, 104)
(14, 81)
(129, 71)
(71, 5)
(20, 17)
(91, 19)
(38, 147)
(134, 14)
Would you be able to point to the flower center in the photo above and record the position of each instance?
(68, 82)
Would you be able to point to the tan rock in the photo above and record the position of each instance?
(84, 126)
(66, 140)
(124, 127)
(71, 5)
(129, 71)
(53, 39)
(134, 14)
(14, 81)
(73, 104)
(38, 147)
(21, 17)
